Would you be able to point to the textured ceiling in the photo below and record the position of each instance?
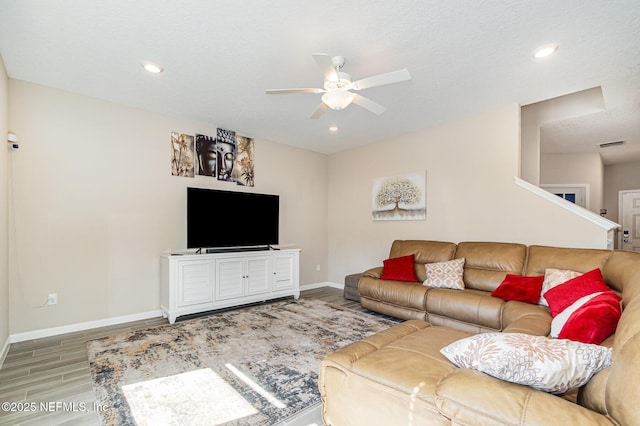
(464, 56)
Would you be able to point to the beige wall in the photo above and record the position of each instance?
(535, 117)
(582, 168)
(471, 194)
(530, 148)
(96, 205)
(4, 235)
(619, 177)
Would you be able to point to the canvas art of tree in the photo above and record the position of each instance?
(399, 198)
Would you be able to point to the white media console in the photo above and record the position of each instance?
(193, 283)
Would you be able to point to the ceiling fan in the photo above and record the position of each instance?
(338, 86)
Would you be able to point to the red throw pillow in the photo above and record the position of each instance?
(565, 294)
(399, 269)
(594, 321)
(522, 289)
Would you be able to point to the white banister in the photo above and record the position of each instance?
(592, 217)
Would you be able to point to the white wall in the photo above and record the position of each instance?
(96, 205)
(576, 168)
(619, 177)
(471, 194)
(4, 235)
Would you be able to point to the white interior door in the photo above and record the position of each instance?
(630, 219)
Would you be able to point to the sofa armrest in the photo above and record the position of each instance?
(373, 272)
(520, 317)
(470, 397)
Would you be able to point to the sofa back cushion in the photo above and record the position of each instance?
(424, 251)
(573, 259)
(487, 264)
(620, 270)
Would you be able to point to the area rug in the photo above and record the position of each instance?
(251, 366)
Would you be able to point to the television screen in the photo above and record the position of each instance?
(231, 219)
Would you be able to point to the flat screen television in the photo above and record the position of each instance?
(218, 218)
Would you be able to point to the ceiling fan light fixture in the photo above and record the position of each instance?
(337, 99)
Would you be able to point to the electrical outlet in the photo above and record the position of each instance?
(52, 299)
(317, 267)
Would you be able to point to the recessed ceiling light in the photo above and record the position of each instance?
(333, 128)
(152, 68)
(546, 50)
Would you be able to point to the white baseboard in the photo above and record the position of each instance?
(54, 331)
(319, 285)
(5, 350)
(47, 332)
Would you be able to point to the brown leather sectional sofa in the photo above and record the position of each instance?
(399, 376)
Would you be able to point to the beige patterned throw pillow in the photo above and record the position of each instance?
(549, 365)
(445, 274)
(553, 278)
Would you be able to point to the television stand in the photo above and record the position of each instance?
(234, 276)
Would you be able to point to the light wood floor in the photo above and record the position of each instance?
(55, 370)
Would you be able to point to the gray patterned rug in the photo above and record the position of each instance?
(251, 366)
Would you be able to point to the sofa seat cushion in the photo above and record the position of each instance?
(409, 362)
(469, 306)
(348, 379)
(398, 293)
(474, 398)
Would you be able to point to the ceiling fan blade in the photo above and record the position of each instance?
(322, 108)
(326, 66)
(381, 79)
(368, 104)
(288, 91)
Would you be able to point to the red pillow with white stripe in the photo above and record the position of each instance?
(590, 322)
(563, 295)
(584, 309)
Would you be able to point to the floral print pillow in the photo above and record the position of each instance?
(549, 365)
